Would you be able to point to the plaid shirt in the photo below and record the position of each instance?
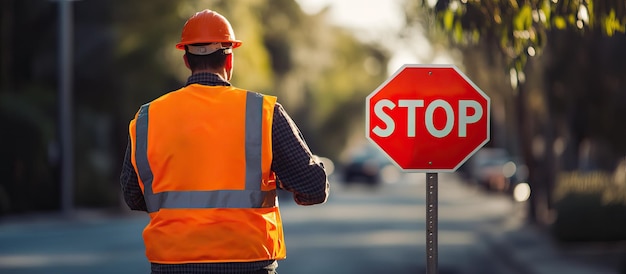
(292, 161)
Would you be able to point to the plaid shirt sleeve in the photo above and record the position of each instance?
(130, 184)
(295, 166)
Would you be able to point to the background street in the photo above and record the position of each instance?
(359, 230)
(364, 230)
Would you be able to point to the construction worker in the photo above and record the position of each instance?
(205, 162)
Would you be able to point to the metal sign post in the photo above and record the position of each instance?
(431, 223)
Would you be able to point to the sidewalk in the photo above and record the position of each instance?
(532, 250)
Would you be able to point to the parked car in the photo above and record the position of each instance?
(367, 164)
(495, 169)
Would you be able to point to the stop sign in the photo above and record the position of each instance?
(428, 118)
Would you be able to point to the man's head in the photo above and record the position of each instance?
(208, 57)
(208, 40)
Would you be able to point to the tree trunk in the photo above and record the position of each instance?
(525, 134)
(6, 38)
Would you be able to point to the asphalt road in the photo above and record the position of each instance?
(363, 230)
(359, 230)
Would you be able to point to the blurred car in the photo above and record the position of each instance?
(329, 165)
(367, 164)
(495, 170)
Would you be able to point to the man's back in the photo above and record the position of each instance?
(205, 162)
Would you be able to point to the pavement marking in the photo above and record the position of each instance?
(379, 238)
(43, 260)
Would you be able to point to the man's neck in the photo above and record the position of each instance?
(220, 73)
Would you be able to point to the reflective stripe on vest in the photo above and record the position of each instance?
(251, 197)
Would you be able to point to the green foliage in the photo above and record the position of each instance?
(145, 35)
(519, 26)
(523, 19)
(582, 217)
(590, 207)
(612, 24)
(598, 183)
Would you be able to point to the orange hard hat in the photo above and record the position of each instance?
(207, 26)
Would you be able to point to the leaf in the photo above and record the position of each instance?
(523, 20)
(546, 10)
(612, 24)
(571, 19)
(448, 19)
(590, 13)
(458, 32)
(504, 38)
(541, 39)
(475, 35)
(559, 22)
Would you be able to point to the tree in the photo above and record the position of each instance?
(520, 30)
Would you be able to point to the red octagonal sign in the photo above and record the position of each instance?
(428, 118)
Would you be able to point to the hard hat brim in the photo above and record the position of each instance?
(235, 43)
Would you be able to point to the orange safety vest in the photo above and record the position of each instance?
(203, 157)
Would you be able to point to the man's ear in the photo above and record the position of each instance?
(228, 64)
(186, 61)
